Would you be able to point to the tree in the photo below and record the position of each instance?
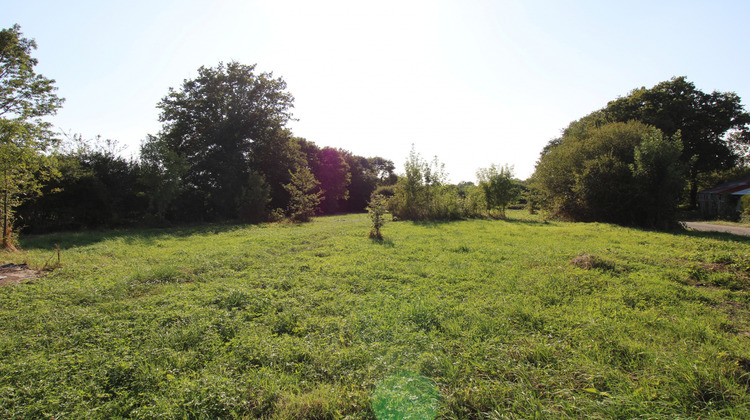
(384, 170)
(659, 176)
(347, 180)
(377, 208)
(363, 182)
(499, 187)
(420, 193)
(626, 173)
(275, 158)
(25, 139)
(225, 124)
(254, 199)
(411, 198)
(162, 174)
(334, 176)
(705, 121)
(96, 187)
(305, 195)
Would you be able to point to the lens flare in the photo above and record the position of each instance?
(405, 395)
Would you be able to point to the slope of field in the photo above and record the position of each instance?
(470, 319)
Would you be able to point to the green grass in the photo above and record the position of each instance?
(471, 319)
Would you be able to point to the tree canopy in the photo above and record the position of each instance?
(626, 173)
(25, 139)
(224, 152)
(705, 121)
(223, 125)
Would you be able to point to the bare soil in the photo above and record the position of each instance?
(13, 274)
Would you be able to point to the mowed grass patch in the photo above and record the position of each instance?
(471, 319)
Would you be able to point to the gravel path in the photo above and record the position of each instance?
(710, 227)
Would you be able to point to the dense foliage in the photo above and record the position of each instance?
(626, 173)
(25, 139)
(220, 124)
(223, 154)
(628, 163)
(499, 187)
(423, 193)
(714, 127)
(95, 188)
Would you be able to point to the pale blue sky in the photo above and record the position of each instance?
(472, 82)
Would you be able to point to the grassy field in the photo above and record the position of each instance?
(471, 319)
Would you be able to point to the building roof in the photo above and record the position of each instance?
(739, 186)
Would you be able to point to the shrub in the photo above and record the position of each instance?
(305, 195)
(386, 191)
(625, 173)
(499, 187)
(745, 215)
(422, 194)
(377, 209)
(254, 199)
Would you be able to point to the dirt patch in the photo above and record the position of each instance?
(13, 274)
(730, 276)
(592, 262)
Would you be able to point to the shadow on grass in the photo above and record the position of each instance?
(383, 242)
(721, 236)
(67, 240)
(438, 223)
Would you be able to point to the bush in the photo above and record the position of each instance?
(377, 209)
(499, 187)
(422, 194)
(386, 191)
(625, 173)
(745, 203)
(305, 195)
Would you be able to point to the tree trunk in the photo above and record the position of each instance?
(7, 225)
(693, 194)
(693, 183)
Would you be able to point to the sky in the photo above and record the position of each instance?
(471, 82)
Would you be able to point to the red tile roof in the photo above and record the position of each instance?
(738, 185)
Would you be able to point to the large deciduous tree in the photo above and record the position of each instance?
(226, 127)
(25, 139)
(705, 121)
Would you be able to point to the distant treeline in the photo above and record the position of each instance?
(98, 188)
(224, 153)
